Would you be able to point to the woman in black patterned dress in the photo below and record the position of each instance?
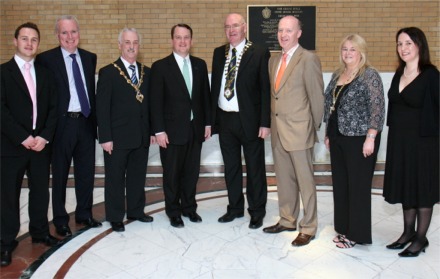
(412, 161)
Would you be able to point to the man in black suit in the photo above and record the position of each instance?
(124, 131)
(241, 104)
(28, 121)
(76, 130)
(181, 120)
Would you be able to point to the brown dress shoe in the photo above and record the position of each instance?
(277, 229)
(302, 239)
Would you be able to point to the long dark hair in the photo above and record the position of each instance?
(419, 39)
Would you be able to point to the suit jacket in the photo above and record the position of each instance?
(17, 110)
(297, 105)
(53, 60)
(171, 104)
(252, 87)
(121, 117)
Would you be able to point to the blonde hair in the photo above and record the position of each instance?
(360, 45)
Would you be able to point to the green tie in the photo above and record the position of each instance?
(185, 72)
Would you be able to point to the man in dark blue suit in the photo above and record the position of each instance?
(122, 107)
(181, 120)
(241, 109)
(76, 130)
(28, 121)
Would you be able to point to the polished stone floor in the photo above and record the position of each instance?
(214, 250)
(232, 250)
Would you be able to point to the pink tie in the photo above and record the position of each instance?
(281, 71)
(31, 87)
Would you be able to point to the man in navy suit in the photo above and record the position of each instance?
(241, 109)
(181, 120)
(28, 121)
(76, 130)
(122, 108)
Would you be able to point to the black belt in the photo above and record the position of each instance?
(224, 111)
(74, 114)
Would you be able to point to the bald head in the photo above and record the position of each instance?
(235, 28)
(289, 32)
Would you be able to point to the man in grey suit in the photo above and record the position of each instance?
(297, 103)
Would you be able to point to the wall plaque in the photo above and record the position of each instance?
(263, 24)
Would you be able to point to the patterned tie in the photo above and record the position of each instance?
(80, 88)
(230, 76)
(185, 72)
(133, 78)
(281, 71)
(31, 87)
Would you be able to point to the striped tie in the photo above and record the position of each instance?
(133, 78)
(230, 76)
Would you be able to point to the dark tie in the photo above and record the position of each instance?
(133, 78)
(80, 89)
(230, 76)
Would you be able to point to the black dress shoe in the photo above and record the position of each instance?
(277, 229)
(63, 230)
(176, 221)
(144, 219)
(256, 222)
(397, 246)
(407, 253)
(6, 258)
(117, 226)
(193, 216)
(90, 222)
(48, 240)
(228, 217)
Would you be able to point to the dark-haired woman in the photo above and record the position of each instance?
(412, 161)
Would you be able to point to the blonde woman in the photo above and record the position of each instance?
(354, 114)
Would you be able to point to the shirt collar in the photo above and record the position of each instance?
(20, 62)
(180, 59)
(291, 51)
(67, 54)
(127, 64)
(239, 47)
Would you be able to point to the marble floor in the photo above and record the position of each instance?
(214, 250)
(232, 250)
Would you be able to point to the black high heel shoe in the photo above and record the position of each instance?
(397, 245)
(407, 253)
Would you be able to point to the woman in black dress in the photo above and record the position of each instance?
(412, 161)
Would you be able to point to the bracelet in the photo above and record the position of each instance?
(371, 136)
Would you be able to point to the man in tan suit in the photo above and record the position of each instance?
(297, 103)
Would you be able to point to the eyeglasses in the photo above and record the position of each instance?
(233, 26)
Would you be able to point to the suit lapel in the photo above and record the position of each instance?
(178, 73)
(18, 77)
(195, 76)
(291, 66)
(245, 59)
(85, 62)
(62, 66)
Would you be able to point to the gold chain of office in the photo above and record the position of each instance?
(139, 95)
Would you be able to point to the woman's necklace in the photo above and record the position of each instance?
(409, 75)
(335, 94)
